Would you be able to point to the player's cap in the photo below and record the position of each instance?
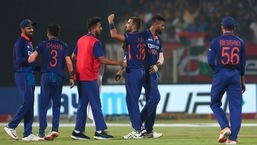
(26, 23)
(228, 22)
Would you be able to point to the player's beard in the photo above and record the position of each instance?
(128, 30)
(158, 31)
(29, 34)
(97, 34)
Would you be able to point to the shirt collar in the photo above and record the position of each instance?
(25, 37)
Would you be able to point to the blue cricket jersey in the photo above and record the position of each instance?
(135, 50)
(22, 49)
(153, 48)
(54, 52)
(227, 50)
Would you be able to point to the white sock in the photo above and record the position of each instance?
(99, 131)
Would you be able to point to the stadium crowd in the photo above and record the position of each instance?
(193, 16)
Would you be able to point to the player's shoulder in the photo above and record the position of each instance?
(239, 38)
(19, 40)
(42, 43)
(62, 43)
(145, 33)
(216, 39)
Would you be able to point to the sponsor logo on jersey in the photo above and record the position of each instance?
(29, 53)
(152, 46)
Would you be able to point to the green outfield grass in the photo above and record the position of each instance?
(171, 135)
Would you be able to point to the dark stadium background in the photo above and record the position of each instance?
(71, 15)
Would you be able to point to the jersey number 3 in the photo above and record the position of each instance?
(54, 55)
(230, 57)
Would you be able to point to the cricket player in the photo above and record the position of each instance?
(89, 55)
(25, 82)
(154, 61)
(135, 70)
(226, 57)
(55, 55)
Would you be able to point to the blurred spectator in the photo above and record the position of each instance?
(253, 34)
(195, 16)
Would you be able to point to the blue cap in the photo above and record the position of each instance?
(26, 23)
(228, 22)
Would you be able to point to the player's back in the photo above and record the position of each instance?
(54, 52)
(228, 49)
(135, 50)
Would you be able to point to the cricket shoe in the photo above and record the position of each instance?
(224, 134)
(231, 141)
(79, 136)
(41, 137)
(102, 136)
(133, 135)
(11, 132)
(51, 135)
(31, 137)
(152, 134)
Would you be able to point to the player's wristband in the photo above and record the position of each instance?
(159, 65)
(111, 26)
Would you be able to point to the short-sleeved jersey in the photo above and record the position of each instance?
(53, 53)
(135, 50)
(227, 50)
(22, 49)
(88, 50)
(153, 48)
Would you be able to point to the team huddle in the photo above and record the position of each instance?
(143, 59)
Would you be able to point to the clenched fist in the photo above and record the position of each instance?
(110, 18)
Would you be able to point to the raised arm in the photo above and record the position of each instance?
(113, 31)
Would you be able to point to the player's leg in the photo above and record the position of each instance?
(219, 86)
(57, 92)
(26, 92)
(147, 86)
(89, 109)
(82, 106)
(29, 117)
(44, 100)
(92, 90)
(20, 80)
(78, 133)
(134, 83)
(26, 103)
(152, 102)
(234, 94)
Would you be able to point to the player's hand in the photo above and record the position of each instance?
(118, 75)
(122, 63)
(72, 82)
(123, 46)
(242, 79)
(153, 69)
(111, 18)
(243, 88)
